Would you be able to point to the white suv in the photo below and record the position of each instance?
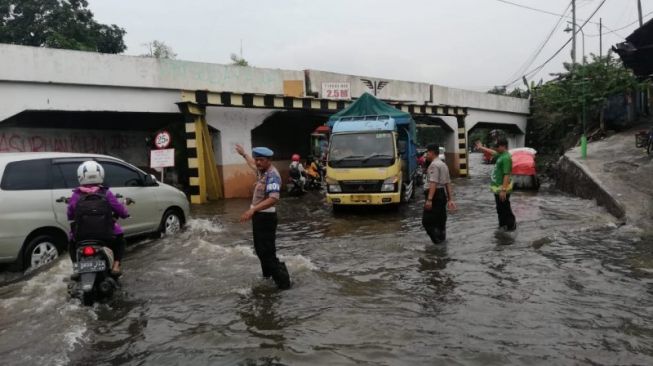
(33, 191)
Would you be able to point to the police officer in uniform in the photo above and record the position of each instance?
(263, 214)
(439, 196)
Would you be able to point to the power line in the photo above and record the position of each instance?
(540, 10)
(539, 68)
(538, 51)
(551, 13)
(621, 28)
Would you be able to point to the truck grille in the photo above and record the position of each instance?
(361, 186)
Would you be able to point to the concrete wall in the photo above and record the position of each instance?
(479, 100)
(46, 65)
(129, 146)
(235, 127)
(395, 89)
(16, 97)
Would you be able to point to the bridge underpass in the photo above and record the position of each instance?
(284, 124)
(481, 130)
(36, 80)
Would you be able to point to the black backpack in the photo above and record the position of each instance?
(294, 172)
(93, 218)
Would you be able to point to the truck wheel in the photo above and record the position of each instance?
(40, 251)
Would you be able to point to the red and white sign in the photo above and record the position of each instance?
(339, 90)
(162, 140)
(164, 158)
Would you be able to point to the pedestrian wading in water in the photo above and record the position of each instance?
(438, 195)
(501, 184)
(263, 214)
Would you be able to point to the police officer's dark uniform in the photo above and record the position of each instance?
(435, 219)
(264, 222)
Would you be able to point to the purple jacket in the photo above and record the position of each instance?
(117, 207)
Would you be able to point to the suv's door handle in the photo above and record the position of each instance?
(62, 199)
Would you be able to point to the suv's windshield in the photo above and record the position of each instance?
(362, 149)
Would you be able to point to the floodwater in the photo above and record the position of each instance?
(569, 288)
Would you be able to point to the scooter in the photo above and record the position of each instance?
(93, 269)
(295, 187)
(313, 183)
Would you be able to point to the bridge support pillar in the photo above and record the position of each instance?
(462, 158)
(204, 180)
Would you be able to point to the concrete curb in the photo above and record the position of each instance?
(575, 178)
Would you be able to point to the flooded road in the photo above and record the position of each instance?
(570, 287)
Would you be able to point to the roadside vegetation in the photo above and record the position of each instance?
(574, 99)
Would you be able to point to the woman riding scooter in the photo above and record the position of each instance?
(90, 175)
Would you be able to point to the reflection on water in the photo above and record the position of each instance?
(569, 287)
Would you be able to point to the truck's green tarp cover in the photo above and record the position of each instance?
(368, 105)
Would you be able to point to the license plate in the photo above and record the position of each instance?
(90, 266)
(361, 198)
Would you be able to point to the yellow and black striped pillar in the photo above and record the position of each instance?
(204, 181)
(463, 162)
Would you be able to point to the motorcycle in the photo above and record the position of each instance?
(93, 269)
(313, 183)
(295, 187)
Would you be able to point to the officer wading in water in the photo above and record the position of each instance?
(439, 196)
(263, 214)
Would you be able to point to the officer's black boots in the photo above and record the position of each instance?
(281, 277)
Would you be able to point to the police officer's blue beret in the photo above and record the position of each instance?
(262, 152)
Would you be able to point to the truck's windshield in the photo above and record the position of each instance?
(362, 149)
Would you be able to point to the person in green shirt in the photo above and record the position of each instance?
(501, 184)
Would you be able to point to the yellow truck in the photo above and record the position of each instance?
(372, 157)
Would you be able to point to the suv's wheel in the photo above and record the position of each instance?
(40, 251)
(171, 223)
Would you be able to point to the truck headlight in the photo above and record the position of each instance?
(390, 184)
(333, 186)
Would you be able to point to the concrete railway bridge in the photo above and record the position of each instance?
(61, 100)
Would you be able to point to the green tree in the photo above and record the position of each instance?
(557, 106)
(159, 49)
(238, 60)
(503, 90)
(67, 24)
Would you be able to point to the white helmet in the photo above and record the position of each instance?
(90, 172)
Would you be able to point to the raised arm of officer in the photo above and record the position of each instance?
(250, 161)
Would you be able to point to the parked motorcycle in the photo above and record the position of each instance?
(93, 271)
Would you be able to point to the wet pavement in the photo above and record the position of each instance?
(568, 288)
(624, 171)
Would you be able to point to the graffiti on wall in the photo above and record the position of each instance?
(16, 142)
(127, 146)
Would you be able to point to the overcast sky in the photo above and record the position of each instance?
(473, 44)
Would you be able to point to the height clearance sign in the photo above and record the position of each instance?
(162, 157)
(337, 90)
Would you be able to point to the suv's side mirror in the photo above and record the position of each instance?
(150, 180)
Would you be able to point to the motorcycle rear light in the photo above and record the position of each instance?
(88, 251)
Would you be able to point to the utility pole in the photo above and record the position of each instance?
(639, 10)
(600, 37)
(573, 32)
